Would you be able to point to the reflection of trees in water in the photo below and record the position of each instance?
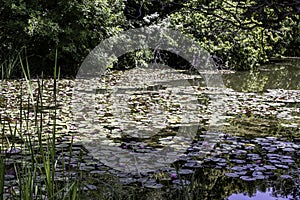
(285, 75)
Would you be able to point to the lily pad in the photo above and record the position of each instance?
(247, 178)
(232, 175)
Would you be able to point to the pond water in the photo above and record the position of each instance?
(283, 75)
(258, 196)
(163, 134)
(279, 75)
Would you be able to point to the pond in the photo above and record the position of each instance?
(162, 134)
(283, 74)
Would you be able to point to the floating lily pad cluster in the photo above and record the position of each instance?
(25, 103)
(248, 159)
(172, 111)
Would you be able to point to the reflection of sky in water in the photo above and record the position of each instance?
(258, 196)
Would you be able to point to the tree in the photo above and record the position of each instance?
(239, 34)
(242, 34)
(41, 27)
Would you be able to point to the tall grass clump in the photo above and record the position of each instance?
(9, 66)
(36, 170)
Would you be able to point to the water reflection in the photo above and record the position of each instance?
(280, 75)
(259, 195)
(262, 167)
(272, 113)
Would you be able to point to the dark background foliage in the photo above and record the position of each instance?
(238, 34)
(40, 27)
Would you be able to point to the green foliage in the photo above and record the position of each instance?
(238, 33)
(142, 13)
(71, 27)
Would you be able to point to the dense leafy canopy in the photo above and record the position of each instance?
(242, 33)
(239, 34)
(71, 27)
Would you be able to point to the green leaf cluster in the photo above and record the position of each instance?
(240, 34)
(72, 27)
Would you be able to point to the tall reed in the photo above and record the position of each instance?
(36, 178)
